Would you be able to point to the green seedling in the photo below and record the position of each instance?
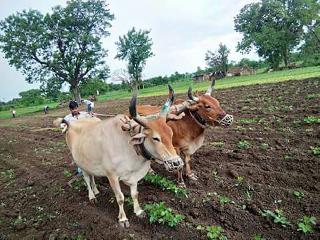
(306, 224)
(277, 217)
(128, 201)
(217, 144)
(67, 173)
(248, 120)
(78, 183)
(311, 119)
(243, 144)
(215, 175)
(158, 212)
(224, 200)
(19, 220)
(312, 96)
(8, 174)
(315, 151)
(239, 181)
(264, 146)
(298, 194)
(165, 184)
(258, 237)
(208, 197)
(240, 128)
(215, 233)
(287, 157)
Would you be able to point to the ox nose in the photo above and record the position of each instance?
(173, 164)
(227, 120)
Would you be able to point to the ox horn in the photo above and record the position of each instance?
(190, 96)
(133, 111)
(166, 107)
(209, 91)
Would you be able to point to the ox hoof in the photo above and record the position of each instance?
(93, 201)
(193, 177)
(124, 224)
(181, 185)
(151, 171)
(96, 191)
(141, 214)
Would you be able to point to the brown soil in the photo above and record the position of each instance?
(37, 203)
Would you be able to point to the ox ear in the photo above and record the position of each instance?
(137, 139)
(193, 108)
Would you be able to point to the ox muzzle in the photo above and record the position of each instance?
(227, 120)
(173, 164)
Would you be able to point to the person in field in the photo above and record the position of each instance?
(89, 104)
(74, 115)
(13, 113)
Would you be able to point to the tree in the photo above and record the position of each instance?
(135, 47)
(219, 59)
(64, 45)
(31, 97)
(90, 87)
(274, 27)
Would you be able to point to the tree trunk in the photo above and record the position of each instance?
(286, 58)
(76, 93)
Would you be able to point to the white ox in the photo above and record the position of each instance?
(102, 148)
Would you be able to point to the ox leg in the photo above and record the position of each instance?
(134, 195)
(93, 185)
(180, 179)
(115, 185)
(86, 177)
(189, 173)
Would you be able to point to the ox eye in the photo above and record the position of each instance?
(156, 139)
(207, 106)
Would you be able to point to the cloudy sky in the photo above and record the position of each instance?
(182, 31)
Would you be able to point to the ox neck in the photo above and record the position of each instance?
(198, 119)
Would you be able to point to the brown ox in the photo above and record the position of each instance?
(188, 132)
(104, 148)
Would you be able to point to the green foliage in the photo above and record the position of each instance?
(31, 97)
(215, 233)
(90, 87)
(277, 217)
(298, 194)
(8, 174)
(219, 59)
(135, 47)
(312, 119)
(258, 237)
(67, 173)
(64, 45)
(316, 151)
(158, 212)
(274, 28)
(312, 96)
(215, 175)
(239, 181)
(248, 120)
(264, 146)
(306, 224)
(165, 184)
(224, 200)
(217, 144)
(243, 144)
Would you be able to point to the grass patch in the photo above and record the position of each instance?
(22, 111)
